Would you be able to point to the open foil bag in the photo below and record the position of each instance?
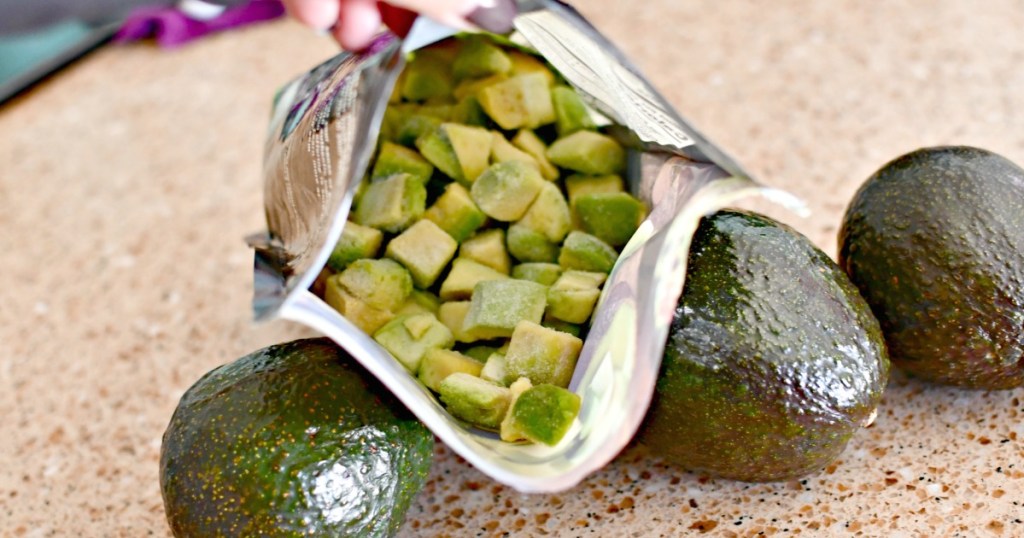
(322, 136)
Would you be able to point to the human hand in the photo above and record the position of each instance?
(353, 23)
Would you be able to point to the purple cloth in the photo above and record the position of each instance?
(171, 27)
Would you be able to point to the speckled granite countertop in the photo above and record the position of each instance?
(128, 182)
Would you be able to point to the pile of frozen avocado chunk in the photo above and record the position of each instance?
(476, 248)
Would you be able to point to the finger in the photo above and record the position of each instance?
(319, 14)
(358, 22)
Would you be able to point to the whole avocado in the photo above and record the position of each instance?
(292, 440)
(935, 242)
(773, 360)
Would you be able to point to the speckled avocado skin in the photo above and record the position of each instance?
(935, 242)
(773, 359)
(292, 440)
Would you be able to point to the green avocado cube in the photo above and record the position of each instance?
(480, 58)
(549, 214)
(542, 273)
(611, 217)
(394, 159)
(392, 204)
(542, 355)
(406, 346)
(425, 250)
(414, 126)
(464, 276)
(520, 101)
(587, 253)
(589, 153)
(427, 76)
(562, 326)
(505, 191)
(382, 284)
(529, 142)
(438, 364)
(356, 242)
(453, 315)
(474, 400)
(480, 353)
(527, 64)
(542, 414)
(472, 87)
(528, 245)
(502, 150)
(469, 112)
(494, 369)
(462, 152)
(578, 185)
(367, 318)
(488, 248)
(497, 306)
(419, 302)
(509, 431)
(573, 296)
(456, 213)
(571, 113)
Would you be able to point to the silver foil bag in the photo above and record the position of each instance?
(322, 135)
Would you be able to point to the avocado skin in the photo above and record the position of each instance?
(935, 242)
(292, 440)
(773, 359)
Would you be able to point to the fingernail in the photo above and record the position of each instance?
(496, 18)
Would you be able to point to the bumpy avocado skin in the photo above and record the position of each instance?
(773, 359)
(935, 242)
(292, 440)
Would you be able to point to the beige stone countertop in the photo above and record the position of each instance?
(128, 181)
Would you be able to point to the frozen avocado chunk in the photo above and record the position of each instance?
(356, 242)
(394, 159)
(497, 306)
(571, 114)
(412, 126)
(488, 248)
(427, 76)
(479, 58)
(509, 431)
(425, 250)
(464, 276)
(408, 338)
(453, 315)
(556, 324)
(494, 369)
(529, 245)
(469, 112)
(456, 213)
(505, 191)
(438, 364)
(474, 400)
(542, 355)
(392, 204)
(382, 284)
(611, 217)
(419, 302)
(502, 150)
(541, 273)
(460, 151)
(573, 296)
(527, 64)
(587, 253)
(542, 414)
(529, 142)
(578, 185)
(549, 214)
(362, 315)
(520, 101)
(589, 153)
(472, 87)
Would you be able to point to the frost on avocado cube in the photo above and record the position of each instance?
(528, 245)
(464, 276)
(392, 204)
(438, 364)
(571, 114)
(505, 191)
(589, 153)
(462, 152)
(497, 306)
(479, 58)
(542, 273)
(542, 355)
(404, 344)
(526, 64)
(509, 430)
(502, 150)
(579, 185)
(356, 242)
(425, 250)
(529, 142)
(521, 101)
(611, 217)
(382, 284)
(573, 296)
(469, 112)
(543, 414)
(549, 214)
(456, 213)
(453, 315)
(367, 318)
(587, 253)
(494, 369)
(394, 159)
(474, 400)
(419, 302)
(488, 248)
(414, 126)
(427, 76)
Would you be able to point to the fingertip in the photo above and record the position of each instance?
(358, 22)
(318, 14)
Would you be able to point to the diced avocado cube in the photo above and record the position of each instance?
(414, 126)
(528, 245)
(543, 414)
(394, 159)
(573, 296)
(529, 142)
(425, 250)
(426, 76)
(464, 276)
(392, 204)
(470, 88)
(505, 191)
(356, 242)
(588, 152)
(442, 112)
(453, 315)
(462, 152)
(437, 364)
(509, 429)
(480, 58)
(587, 253)
(611, 217)
(578, 185)
(562, 326)
(502, 150)
(480, 353)
(521, 101)
(542, 355)
(549, 214)
(456, 213)
(474, 400)
(571, 113)
(523, 64)
(469, 112)
(419, 302)
(405, 346)
(542, 273)
(488, 248)
(367, 318)
(382, 284)
(497, 306)
(494, 369)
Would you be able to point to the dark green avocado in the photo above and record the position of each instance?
(292, 440)
(935, 242)
(773, 359)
